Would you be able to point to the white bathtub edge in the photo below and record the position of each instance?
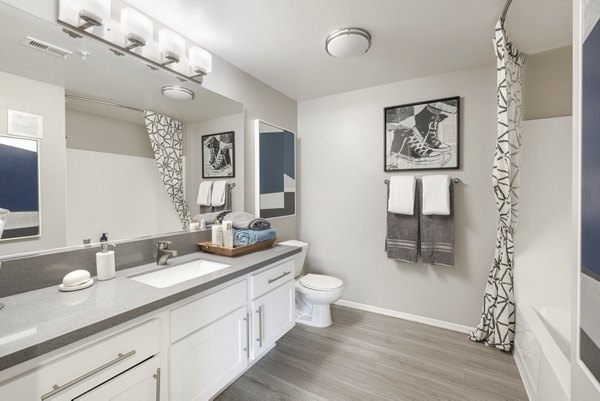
(523, 372)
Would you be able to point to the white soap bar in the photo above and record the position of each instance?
(76, 277)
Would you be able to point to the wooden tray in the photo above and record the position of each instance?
(240, 250)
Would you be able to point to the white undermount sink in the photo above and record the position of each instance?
(180, 273)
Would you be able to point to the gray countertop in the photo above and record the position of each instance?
(37, 322)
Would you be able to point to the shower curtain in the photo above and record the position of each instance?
(497, 324)
(165, 137)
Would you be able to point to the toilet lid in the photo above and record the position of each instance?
(321, 282)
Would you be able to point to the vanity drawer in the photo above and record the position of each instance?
(87, 367)
(197, 314)
(267, 280)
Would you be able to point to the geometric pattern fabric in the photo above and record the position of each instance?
(497, 324)
(165, 135)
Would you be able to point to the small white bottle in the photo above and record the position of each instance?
(228, 234)
(105, 262)
(217, 235)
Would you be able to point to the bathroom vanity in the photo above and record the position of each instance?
(125, 340)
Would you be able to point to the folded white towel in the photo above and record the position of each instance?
(218, 193)
(204, 193)
(402, 194)
(436, 195)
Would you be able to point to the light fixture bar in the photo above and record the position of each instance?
(134, 42)
(119, 49)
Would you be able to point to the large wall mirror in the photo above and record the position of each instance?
(97, 171)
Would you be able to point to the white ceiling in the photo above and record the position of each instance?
(281, 42)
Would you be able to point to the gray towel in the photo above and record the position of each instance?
(205, 209)
(437, 235)
(401, 242)
(247, 221)
(227, 204)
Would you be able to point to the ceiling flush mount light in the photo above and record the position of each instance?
(92, 12)
(137, 28)
(200, 61)
(348, 42)
(177, 92)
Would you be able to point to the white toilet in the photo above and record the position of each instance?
(314, 292)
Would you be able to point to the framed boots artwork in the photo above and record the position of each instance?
(423, 135)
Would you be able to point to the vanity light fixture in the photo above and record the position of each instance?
(137, 28)
(177, 92)
(92, 12)
(134, 30)
(348, 42)
(171, 45)
(200, 61)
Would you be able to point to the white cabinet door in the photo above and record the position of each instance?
(207, 360)
(141, 383)
(273, 316)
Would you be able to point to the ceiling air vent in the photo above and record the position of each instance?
(46, 47)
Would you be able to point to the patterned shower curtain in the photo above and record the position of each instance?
(165, 137)
(497, 324)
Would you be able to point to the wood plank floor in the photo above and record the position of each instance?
(368, 357)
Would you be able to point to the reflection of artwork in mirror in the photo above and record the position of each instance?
(276, 176)
(218, 155)
(19, 188)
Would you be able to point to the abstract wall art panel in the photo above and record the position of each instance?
(276, 171)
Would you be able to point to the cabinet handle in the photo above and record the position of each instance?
(261, 325)
(157, 377)
(58, 389)
(272, 280)
(247, 349)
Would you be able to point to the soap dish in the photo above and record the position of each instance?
(76, 287)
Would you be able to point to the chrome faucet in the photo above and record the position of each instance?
(163, 253)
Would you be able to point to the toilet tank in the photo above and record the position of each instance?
(300, 257)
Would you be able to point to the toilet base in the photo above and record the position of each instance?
(321, 317)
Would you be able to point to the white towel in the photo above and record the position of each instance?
(204, 193)
(218, 193)
(436, 195)
(402, 194)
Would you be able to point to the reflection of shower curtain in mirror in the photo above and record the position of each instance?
(165, 136)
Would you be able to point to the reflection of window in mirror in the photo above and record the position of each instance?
(19, 188)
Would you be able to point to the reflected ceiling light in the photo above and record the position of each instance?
(137, 28)
(177, 92)
(200, 60)
(348, 42)
(171, 45)
(93, 12)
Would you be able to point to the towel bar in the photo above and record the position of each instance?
(454, 180)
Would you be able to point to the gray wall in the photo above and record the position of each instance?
(548, 84)
(193, 149)
(343, 197)
(87, 131)
(261, 102)
(34, 97)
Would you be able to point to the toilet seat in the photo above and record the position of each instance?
(320, 282)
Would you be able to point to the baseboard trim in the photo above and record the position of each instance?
(523, 372)
(407, 316)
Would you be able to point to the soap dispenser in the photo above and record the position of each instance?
(105, 262)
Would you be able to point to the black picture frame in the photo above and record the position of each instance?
(411, 143)
(218, 155)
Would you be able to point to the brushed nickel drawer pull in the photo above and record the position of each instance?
(157, 377)
(261, 325)
(247, 349)
(58, 389)
(272, 280)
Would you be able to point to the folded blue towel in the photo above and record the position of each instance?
(249, 237)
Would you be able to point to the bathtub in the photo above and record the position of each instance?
(542, 351)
